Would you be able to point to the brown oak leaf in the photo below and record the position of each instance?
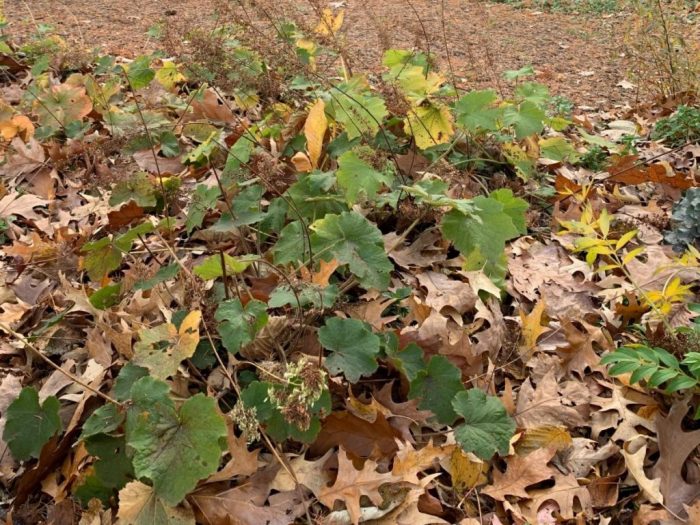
(522, 472)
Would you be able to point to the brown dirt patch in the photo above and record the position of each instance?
(577, 56)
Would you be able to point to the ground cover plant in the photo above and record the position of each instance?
(245, 284)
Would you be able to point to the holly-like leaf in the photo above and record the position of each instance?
(429, 125)
(238, 325)
(353, 346)
(358, 178)
(487, 427)
(436, 386)
(140, 505)
(30, 425)
(173, 448)
(161, 349)
(353, 240)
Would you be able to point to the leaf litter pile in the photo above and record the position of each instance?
(250, 287)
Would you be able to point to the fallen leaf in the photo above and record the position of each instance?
(522, 471)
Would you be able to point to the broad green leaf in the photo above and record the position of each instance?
(30, 425)
(173, 448)
(104, 420)
(238, 325)
(533, 92)
(161, 349)
(481, 237)
(139, 72)
(429, 125)
(475, 111)
(487, 427)
(514, 207)
(353, 240)
(106, 296)
(139, 504)
(359, 113)
(353, 346)
(313, 196)
(102, 258)
(62, 105)
(436, 386)
(291, 245)
(211, 268)
(358, 178)
(246, 205)
(307, 294)
(526, 118)
(111, 470)
(128, 375)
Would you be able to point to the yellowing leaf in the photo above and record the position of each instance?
(162, 348)
(139, 505)
(169, 75)
(329, 24)
(467, 470)
(429, 125)
(315, 129)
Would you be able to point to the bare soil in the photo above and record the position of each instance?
(580, 57)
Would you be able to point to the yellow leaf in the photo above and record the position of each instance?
(532, 329)
(169, 75)
(604, 223)
(429, 125)
(188, 334)
(315, 129)
(329, 24)
(627, 237)
(631, 255)
(17, 125)
(467, 470)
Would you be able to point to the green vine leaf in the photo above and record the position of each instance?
(357, 178)
(353, 240)
(435, 386)
(526, 118)
(238, 325)
(487, 427)
(30, 425)
(353, 346)
(173, 448)
(475, 111)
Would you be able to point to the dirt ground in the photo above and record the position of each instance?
(580, 57)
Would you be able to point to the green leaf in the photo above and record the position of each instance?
(557, 148)
(514, 207)
(313, 196)
(238, 325)
(291, 245)
(210, 268)
(164, 273)
(435, 386)
(359, 113)
(106, 296)
(527, 119)
(429, 125)
(353, 346)
(487, 427)
(104, 420)
(246, 206)
(353, 240)
(30, 425)
(475, 111)
(533, 92)
(139, 72)
(111, 470)
(203, 200)
(173, 448)
(481, 236)
(358, 178)
(128, 375)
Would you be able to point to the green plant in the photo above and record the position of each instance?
(686, 221)
(680, 127)
(655, 368)
(595, 159)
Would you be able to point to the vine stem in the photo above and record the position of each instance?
(53, 365)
